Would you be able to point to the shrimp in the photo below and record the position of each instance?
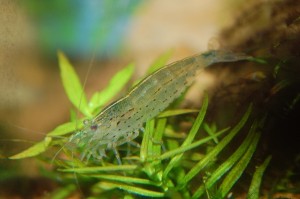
(122, 121)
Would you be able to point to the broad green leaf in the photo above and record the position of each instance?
(35, 150)
(72, 84)
(65, 128)
(115, 85)
(253, 192)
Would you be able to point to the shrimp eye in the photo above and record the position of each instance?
(86, 122)
(94, 127)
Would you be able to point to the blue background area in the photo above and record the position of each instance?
(80, 28)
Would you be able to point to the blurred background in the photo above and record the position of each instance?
(104, 36)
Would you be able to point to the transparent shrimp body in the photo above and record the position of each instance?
(121, 121)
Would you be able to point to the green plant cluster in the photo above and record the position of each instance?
(178, 171)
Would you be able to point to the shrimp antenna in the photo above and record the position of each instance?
(77, 111)
(56, 154)
(73, 165)
(90, 65)
(61, 148)
(75, 175)
(23, 128)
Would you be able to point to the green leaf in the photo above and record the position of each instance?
(65, 128)
(211, 130)
(239, 168)
(131, 189)
(115, 85)
(113, 168)
(174, 161)
(197, 122)
(124, 179)
(34, 150)
(257, 60)
(72, 84)
(63, 192)
(175, 112)
(155, 167)
(225, 167)
(157, 137)
(159, 62)
(213, 153)
(128, 196)
(183, 149)
(253, 192)
(147, 144)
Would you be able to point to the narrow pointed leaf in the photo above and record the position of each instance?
(72, 84)
(213, 153)
(159, 62)
(253, 192)
(147, 144)
(175, 112)
(65, 128)
(35, 150)
(225, 167)
(124, 179)
(189, 138)
(115, 85)
(183, 149)
(239, 168)
(133, 189)
(87, 170)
